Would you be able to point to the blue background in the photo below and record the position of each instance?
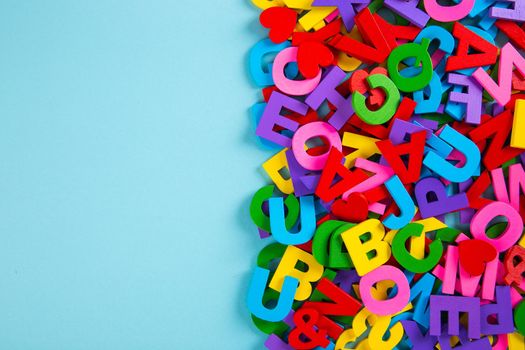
(127, 164)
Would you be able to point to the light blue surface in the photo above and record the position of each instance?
(127, 165)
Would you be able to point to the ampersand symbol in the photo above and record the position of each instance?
(515, 271)
(305, 320)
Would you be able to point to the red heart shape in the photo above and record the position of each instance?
(311, 55)
(358, 83)
(474, 253)
(518, 82)
(281, 22)
(354, 209)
